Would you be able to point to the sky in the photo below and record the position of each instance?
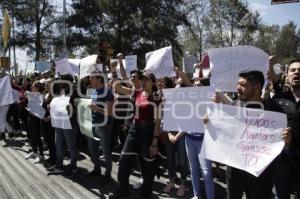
(278, 13)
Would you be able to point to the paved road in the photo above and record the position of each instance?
(20, 178)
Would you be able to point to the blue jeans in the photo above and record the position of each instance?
(178, 147)
(104, 134)
(199, 165)
(65, 136)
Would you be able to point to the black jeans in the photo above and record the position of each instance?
(49, 137)
(14, 112)
(35, 134)
(137, 143)
(286, 171)
(239, 181)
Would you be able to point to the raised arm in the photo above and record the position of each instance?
(183, 76)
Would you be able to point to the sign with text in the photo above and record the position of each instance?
(59, 113)
(284, 1)
(6, 96)
(188, 64)
(247, 139)
(63, 66)
(160, 62)
(130, 63)
(184, 108)
(227, 63)
(88, 65)
(35, 102)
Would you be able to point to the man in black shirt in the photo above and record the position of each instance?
(249, 91)
(287, 164)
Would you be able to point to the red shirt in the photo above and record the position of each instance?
(144, 107)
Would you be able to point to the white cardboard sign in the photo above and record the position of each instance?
(247, 139)
(160, 62)
(227, 63)
(184, 108)
(59, 114)
(6, 96)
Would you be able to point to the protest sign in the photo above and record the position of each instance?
(88, 65)
(63, 66)
(160, 62)
(75, 63)
(6, 96)
(188, 64)
(59, 114)
(84, 117)
(184, 108)
(227, 63)
(130, 63)
(247, 139)
(35, 102)
(42, 66)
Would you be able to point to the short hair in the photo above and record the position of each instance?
(254, 76)
(294, 61)
(39, 86)
(168, 82)
(138, 73)
(97, 75)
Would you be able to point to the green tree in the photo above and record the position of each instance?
(129, 26)
(33, 24)
(267, 37)
(287, 42)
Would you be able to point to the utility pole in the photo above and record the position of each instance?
(14, 45)
(65, 52)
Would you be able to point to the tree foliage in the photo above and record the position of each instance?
(136, 26)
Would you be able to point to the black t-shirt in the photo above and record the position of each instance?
(287, 102)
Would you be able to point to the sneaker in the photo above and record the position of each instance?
(2, 136)
(138, 185)
(30, 155)
(94, 173)
(55, 170)
(195, 197)
(50, 167)
(181, 191)
(168, 187)
(38, 159)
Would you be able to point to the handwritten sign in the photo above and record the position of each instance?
(84, 117)
(227, 63)
(35, 102)
(184, 108)
(247, 139)
(188, 64)
(6, 96)
(130, 63)
(59, 114)
(75, 63)
(160, 62)
(87, 65)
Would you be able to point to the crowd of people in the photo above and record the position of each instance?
(138, 131)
